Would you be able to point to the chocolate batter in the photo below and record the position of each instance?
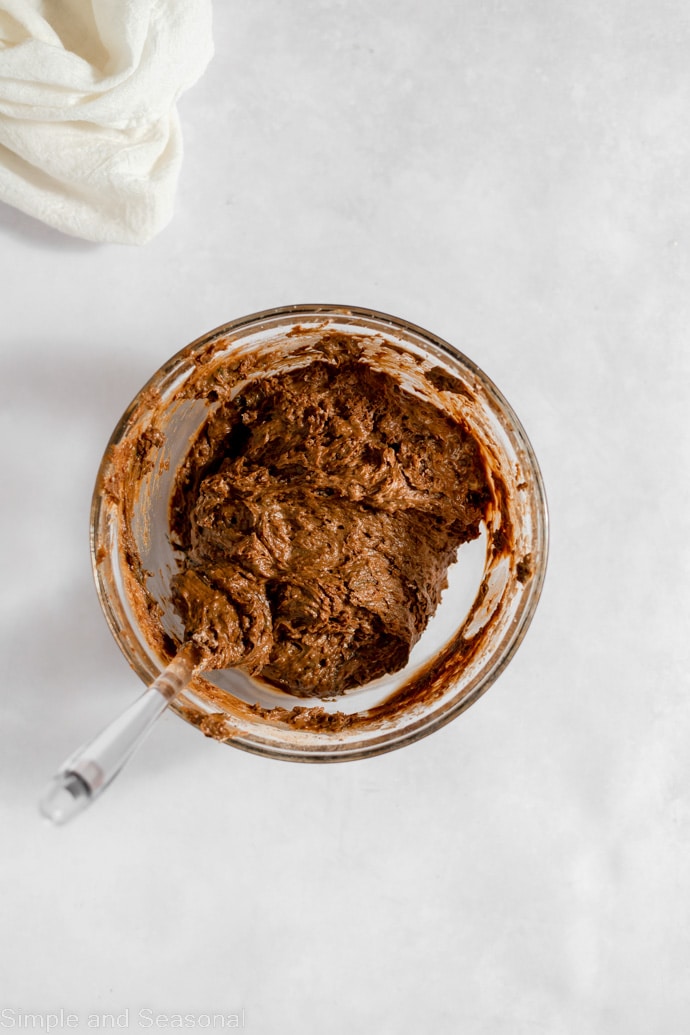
(316, 516)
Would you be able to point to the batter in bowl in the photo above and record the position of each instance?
(315, 518)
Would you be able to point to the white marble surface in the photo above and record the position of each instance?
(516, 178)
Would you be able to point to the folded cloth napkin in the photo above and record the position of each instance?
(90, 139)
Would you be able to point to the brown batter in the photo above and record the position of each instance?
(317, 514)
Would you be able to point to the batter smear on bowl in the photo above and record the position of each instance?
(316, 516)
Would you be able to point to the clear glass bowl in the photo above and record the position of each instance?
(493, 588)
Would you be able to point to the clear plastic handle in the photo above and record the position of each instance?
(86, 773)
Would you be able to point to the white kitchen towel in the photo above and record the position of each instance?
(90, 139)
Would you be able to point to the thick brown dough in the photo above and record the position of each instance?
(317, 514)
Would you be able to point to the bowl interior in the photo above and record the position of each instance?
(492, 588)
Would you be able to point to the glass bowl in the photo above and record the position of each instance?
(493, 588)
